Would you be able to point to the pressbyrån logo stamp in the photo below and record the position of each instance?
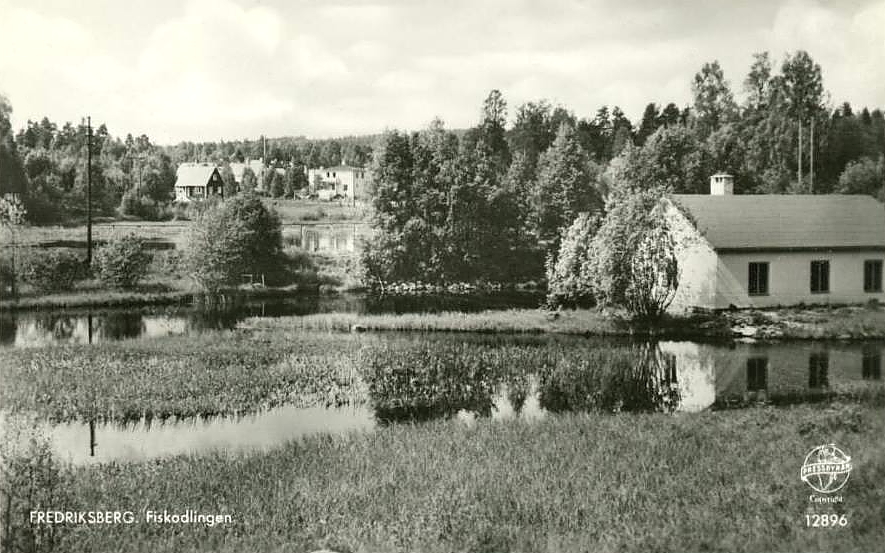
(826, 468)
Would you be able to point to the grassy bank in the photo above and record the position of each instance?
(529, 321)
(843, 323)
(705, 482)
(144, 296)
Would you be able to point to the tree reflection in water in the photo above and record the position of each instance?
(434, 379)
(8, 328)
(60, 327)
(115, 325)
(637, 378)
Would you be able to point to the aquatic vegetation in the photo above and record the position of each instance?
(429, 377)
(222, 373)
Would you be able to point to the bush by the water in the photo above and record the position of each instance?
(629, 261)
(234, 237)
(53, 270)
(568, 276)
(122, 262)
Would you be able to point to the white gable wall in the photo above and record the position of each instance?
(697, 264)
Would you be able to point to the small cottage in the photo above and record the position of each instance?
(771, 250)
(196, 181)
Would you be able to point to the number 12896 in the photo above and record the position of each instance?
(826, 521)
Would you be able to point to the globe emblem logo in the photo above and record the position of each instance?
(826, 468)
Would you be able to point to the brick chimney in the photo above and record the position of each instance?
(721, 184)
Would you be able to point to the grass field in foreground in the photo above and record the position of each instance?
(715, 481)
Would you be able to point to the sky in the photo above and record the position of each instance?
(230, 69)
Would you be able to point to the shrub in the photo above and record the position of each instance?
(632, 258)
(234, 237)
(53, 270)
(144, 208)
(168, 262)
(569, 281)
(122, 262)
(864, 176)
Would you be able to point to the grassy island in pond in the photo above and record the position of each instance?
(842, 322)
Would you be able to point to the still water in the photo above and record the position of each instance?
(669, 376)
(79, 326)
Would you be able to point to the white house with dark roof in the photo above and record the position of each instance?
(256, 165)
(197, 181)
(770, 250)
(346, 181)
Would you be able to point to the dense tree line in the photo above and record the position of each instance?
(488, 203)
(46, 165)
(280, 152)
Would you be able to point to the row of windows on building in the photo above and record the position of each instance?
(818, 370)
(758, 273)
(357, 174)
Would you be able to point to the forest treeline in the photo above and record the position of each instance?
(785, 135)
(491, 203)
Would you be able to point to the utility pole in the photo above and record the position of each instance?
(811, 155)
(88, 191)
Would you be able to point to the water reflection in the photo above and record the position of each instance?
(81, 442)
(41, 328)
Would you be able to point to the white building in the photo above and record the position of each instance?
(256, 165)
(770, 250)
(348, 182)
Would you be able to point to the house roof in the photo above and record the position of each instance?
(193, 174)
(339, 168)
(787, 222)
(238, 168)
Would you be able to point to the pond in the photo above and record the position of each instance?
(84, 326)
(462, 378)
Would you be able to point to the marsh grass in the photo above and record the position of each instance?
(705, 482)
(218, 374)
(523, 321)
(31, 478)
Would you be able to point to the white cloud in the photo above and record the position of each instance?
(207, 69)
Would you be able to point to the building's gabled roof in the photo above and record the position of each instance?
(787, 222)
(340, 168)
(237, 168)
(194, 174)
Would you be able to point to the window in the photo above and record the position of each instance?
(668, 366)
(820, 277)
(872, 275)
(872, 363)
(818, 369)
(758, 279)
(757, 374)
